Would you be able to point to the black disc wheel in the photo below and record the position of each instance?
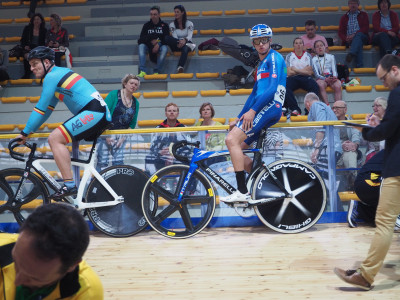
(124, 219)
(306, 203)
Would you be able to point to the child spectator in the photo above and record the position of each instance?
(325, 72)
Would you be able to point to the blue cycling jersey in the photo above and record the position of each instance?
(267, 96)
(61, 84)
(270, 84)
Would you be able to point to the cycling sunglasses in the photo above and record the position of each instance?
(263, 40)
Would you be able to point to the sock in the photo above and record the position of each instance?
(241, 182)
(69, 183)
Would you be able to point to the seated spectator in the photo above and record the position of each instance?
(385, 24)
(181, 36)
(152, 41)
(45, 260)
(214, 141)
(353, 31)
(299, 75)
(350, 139)
(57, 39)
(379, 107)
(3, 66)
(160, 156)
(207, 113)
(34, 35)
(311, 37)
(318, 111)
(124, 109)
(325, 72)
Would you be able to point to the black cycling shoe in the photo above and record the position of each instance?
(64, 192)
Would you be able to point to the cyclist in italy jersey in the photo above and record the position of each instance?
(91, 115)
(262, 109)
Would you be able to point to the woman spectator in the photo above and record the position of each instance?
(124, 108)
(385, 23)
(33, 35)
(207, 113)
(325, 72)
(214, 141)
(181, 36)
(57, 37)
(379, 107)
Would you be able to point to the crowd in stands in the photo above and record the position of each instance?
(310, 67)
(35, 34)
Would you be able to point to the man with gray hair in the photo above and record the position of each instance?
(350, 139)
(319, 111)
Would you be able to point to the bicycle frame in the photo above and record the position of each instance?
(197, 161)
(89, 169)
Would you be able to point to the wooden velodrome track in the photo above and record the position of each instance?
(240, 263)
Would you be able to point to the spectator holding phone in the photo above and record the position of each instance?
(181, 36)
(57, 38)
(324, 65)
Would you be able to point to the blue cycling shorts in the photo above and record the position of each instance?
(265, 118)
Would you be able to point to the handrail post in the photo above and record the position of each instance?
(333, 199)
(75, 169)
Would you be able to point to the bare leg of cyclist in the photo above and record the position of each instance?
(235, 143)
(62, 157)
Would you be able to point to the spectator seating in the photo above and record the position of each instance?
(105, 48)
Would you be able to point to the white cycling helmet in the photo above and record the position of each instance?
(260, 30)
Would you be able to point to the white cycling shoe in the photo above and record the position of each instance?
(237, 197)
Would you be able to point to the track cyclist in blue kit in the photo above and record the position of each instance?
(91, 115)
(262, 109)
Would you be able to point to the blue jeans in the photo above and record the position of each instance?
(356, 48)
(385, 42)
(143, 50)
(172, 43)
(295, 82)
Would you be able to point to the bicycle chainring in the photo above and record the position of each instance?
(244, 212)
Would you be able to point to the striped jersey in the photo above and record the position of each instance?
(61, 84)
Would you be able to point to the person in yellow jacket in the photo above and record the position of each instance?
(45, 260)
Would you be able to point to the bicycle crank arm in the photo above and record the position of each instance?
(86, 205)
(265, 200)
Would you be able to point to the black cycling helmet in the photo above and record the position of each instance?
(42, 52)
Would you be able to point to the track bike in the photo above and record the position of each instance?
(178, 201)
(111, 198)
